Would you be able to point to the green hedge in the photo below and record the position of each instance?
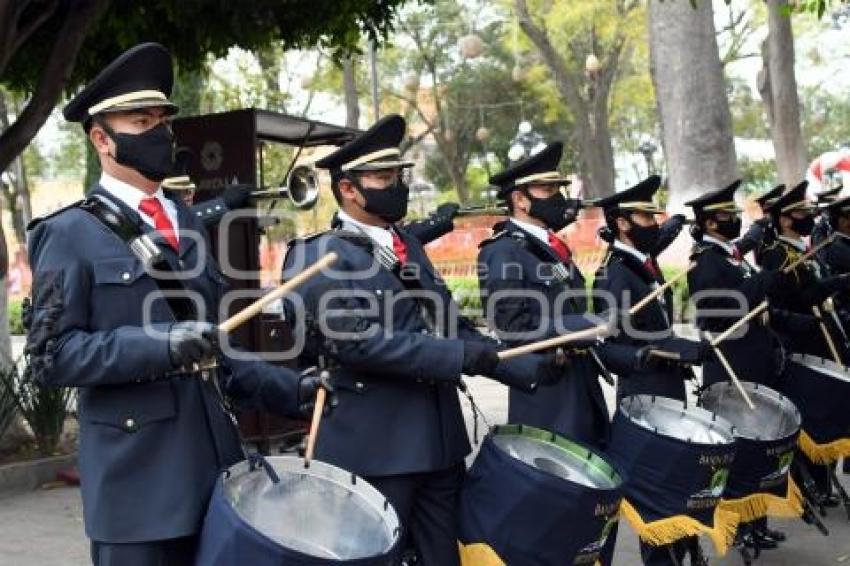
(16, 323)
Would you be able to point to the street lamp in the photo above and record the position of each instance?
(526, 142)
(647, 148)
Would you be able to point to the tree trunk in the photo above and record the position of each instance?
(352, 100)
(778, 89)
(696, 124)
(54, 77)
(587, 100)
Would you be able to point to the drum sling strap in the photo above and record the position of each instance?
(141, 245)
(171, 287)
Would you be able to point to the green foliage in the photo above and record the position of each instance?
(748, 118)
(44, 408)
(8, 399)
(825, 119)
(16, 322)
(759, 175)
(193, 28)
(465, 292)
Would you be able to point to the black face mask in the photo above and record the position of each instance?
(729, 229)
(803, 226)
(151, 153)
(389, 204)
(556, 212)
(645, 238)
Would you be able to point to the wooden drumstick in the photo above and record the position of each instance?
(657, 292)
(826, 335)
(318, 410)
(257, 306)
(737, 382)
(597, 331)
(738, 324)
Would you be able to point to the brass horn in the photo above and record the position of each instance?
(301, 188)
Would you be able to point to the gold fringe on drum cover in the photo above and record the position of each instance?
(480, 554)
(760, 505)
(671, 529)
(824, 453)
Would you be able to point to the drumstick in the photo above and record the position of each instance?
(826, 335)
(738, 324)
(257, 306)
(318, 409)
(657, 292)
(737, 382)
(596, 331)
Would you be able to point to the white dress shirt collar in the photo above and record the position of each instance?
(725, 245)
(630, 250)
(380, 235)
(538, 232)
(132, 197)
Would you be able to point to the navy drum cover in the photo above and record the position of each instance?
(318, 516)
(533, 497)
(820, 389)
(759, 484)
(676, 460)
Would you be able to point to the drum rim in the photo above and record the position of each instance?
(713, 417)
(763, 390)
(576, 449)
(335, 474)
(812, 362)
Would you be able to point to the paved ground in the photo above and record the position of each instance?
(45, 528)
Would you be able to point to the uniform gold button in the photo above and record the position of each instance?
(125, 276)
(358, 385)
(130, 424)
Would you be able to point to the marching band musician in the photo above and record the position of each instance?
(529, 282)
(385, 323)
(627, 274)
(153, 435)
(809, 331)
(721, 270)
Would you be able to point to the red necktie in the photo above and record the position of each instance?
(399, 247)
(559, 247)
(154, 209)
(650, 266)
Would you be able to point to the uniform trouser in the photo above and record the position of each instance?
(427, 504)
(171, 552)
(661, 555)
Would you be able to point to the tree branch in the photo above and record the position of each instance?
(54, 77)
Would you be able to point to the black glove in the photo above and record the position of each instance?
(191, 341)
(753, 237)
(307, 387)
(667, 232)
(237, 196)
(606, 234)
(479, 358)
(447, 210)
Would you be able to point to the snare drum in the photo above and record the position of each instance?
(312, 516)
(820, 389)
(676, 460)
(759, 483)
(534, 497)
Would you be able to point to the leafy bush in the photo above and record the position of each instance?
(465, 292)
(16, 324)
(44, 408)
